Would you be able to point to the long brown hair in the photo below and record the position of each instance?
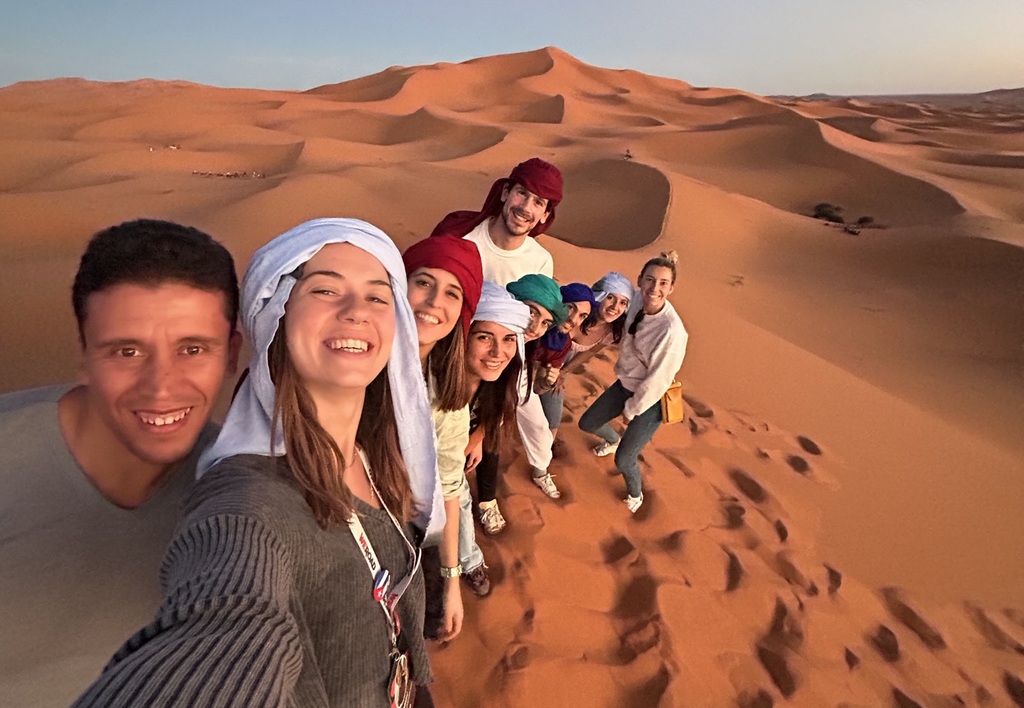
(447, 364)
(314, 459)
(496, 403)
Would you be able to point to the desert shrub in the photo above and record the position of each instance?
(828, 212)
(865, 221)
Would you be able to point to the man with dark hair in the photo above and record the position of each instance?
(92, 475)
(518, 208)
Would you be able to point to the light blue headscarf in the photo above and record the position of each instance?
(266, 287)
(614, 283)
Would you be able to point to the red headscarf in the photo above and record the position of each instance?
(541, 178)
(460, 258)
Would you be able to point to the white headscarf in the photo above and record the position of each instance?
(266, 287)
(614, 283)
(499, 305)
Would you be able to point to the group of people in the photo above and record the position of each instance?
(302, 552)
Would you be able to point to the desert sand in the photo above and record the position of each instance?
(839, 520)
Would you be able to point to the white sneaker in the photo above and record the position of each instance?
(491, 518)
(606, 448)
(633, 503)
(547, 485)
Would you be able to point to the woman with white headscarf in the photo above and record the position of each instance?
(603, 328)
(294, 577)
(494, 361)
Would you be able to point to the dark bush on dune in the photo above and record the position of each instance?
(828, 212)
(865, 221)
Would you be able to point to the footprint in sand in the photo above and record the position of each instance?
(618, 548)
(638, 599)
(696, 428)
(516, 658)
(835, 579)
(525, 626)
(1014, 687)
(785, 627)
(673, 542)
(852, 660)
(902, 700)
(885, 642)
(774, 662)
(798, 464)
(734, 512)
(746, 484)
(808, 445)
(676, 462)
(996, 636)
(641, 638)
(793, 575)
(761, 699)
(700, 409)
(734, 571)
(898, 608)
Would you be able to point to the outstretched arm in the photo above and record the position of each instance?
(224, 635)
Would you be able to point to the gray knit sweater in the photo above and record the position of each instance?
(262, 607)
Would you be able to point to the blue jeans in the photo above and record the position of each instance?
(552, 403)
(638, 433)
(470, 555)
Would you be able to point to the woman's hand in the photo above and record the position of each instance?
(453, 611)
(474, 453)
(559, 386)
(551, 375)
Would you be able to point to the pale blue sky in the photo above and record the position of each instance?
(782, 46)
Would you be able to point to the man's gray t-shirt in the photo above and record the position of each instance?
(78, 575)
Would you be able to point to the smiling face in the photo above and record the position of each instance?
(154, 359)
(491, 347)
(578, 312)
(436, 299)
(340, 321)
(540, 321)
(612, 307)
(521, 210)
(655, 285)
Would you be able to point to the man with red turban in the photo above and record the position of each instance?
(518, 208)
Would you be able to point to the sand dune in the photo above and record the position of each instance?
(623, 205)
(838, 520)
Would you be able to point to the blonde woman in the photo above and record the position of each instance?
(649, 357)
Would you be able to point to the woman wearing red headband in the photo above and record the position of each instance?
(445, 279)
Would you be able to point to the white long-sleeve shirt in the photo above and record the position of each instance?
(501, 266)
(648, 361)
(533, 428)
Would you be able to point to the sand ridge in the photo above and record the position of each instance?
(896, 353)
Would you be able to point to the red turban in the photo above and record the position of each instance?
(541, 178)
(460, 258)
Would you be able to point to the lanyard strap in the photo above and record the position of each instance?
(380, 578)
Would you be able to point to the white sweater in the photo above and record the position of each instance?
(501, 266)
(648, 361)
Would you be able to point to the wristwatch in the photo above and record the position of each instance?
(451, 572)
